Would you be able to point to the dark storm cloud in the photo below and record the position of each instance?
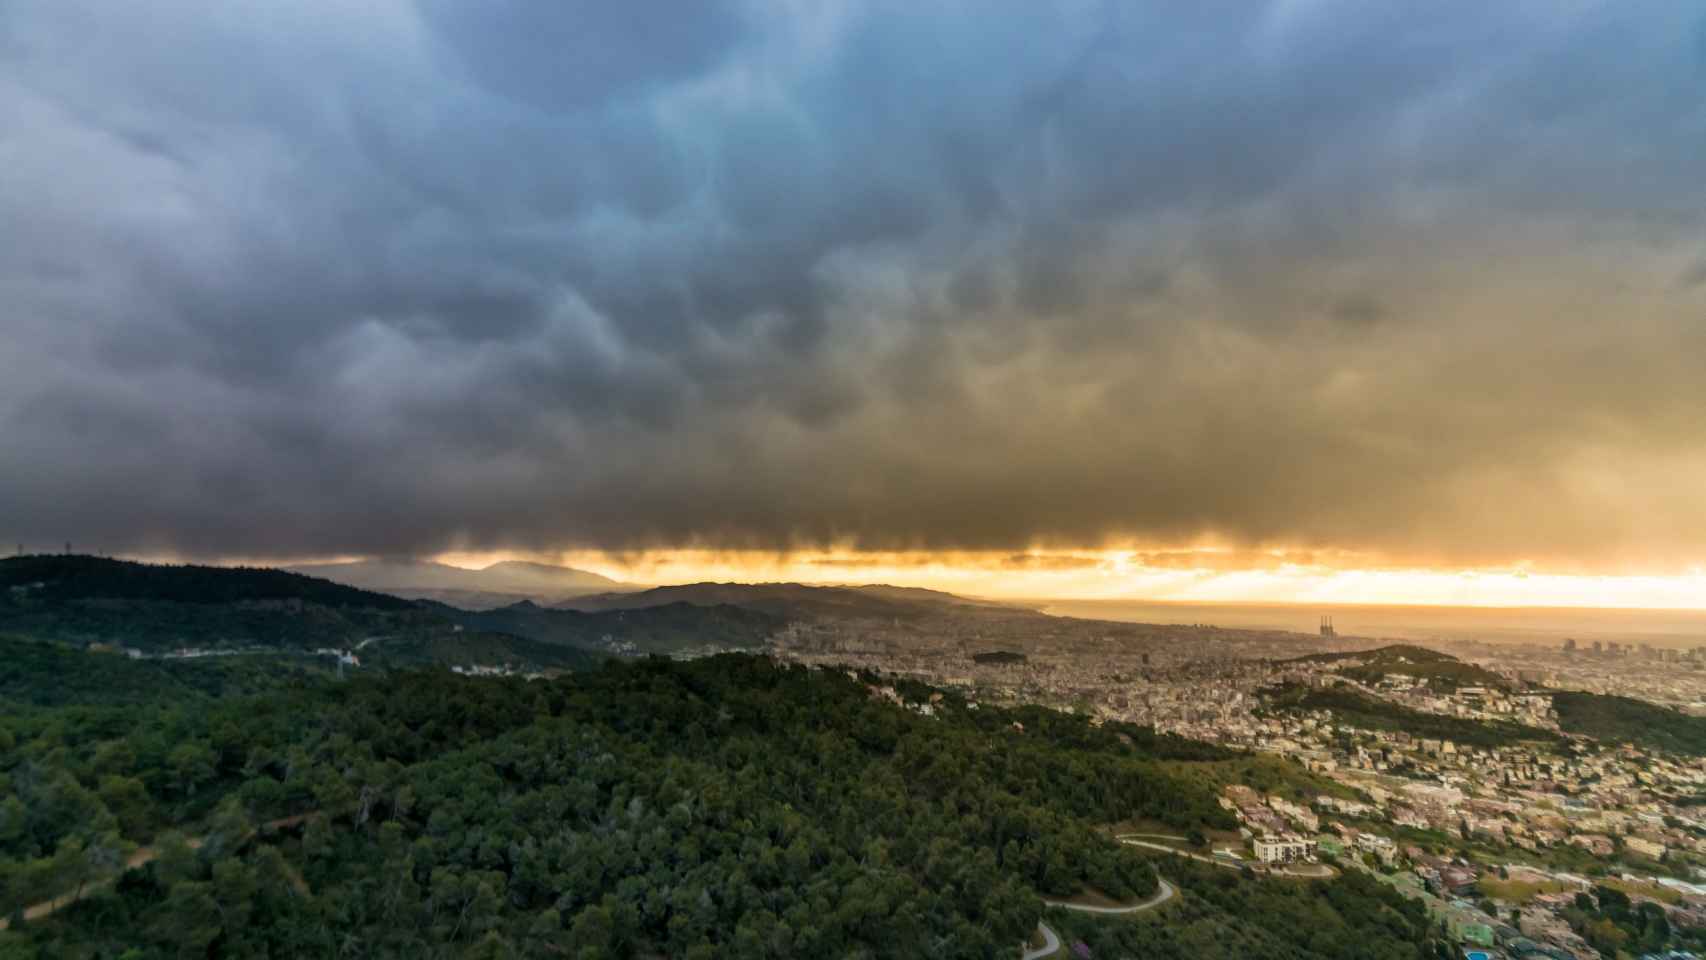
(577, 54)
(315, 278)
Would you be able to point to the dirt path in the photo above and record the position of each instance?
(140, 858)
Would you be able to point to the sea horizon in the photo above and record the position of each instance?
(1546, 625)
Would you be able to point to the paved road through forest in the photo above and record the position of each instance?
(1051, 940)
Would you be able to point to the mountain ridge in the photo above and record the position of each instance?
(668, 628)
(789, 599)
(183, 610)
(496, 584)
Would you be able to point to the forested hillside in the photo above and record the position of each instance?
(34, 674)
(721, 807)
(1369, 713)
(1220, 914)
(794, 600)
(154, 607)
(666, 629)
(475, 649)
(51, 577)
(1612, 719)
(1441, 671)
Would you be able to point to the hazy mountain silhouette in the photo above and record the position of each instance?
(500, 584)
(788, 599)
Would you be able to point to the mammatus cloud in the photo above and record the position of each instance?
(396, 277)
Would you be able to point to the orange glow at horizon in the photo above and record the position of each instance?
(1195, 577)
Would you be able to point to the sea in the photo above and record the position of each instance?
(1542, 625)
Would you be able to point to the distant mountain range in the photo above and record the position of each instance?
(669, 628)
(234, 615)
(498, 585)
(507, 583)
(792, 600)
(155, 609)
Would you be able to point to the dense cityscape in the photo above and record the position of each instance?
(1498, 835)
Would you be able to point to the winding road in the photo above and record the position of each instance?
(1295, 871)
(1051, 940)
(1217, 861)
(1166, 893)
(1051, 943)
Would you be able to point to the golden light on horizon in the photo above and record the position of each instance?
(1187, 576)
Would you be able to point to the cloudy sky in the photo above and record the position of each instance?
(1416, 285)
